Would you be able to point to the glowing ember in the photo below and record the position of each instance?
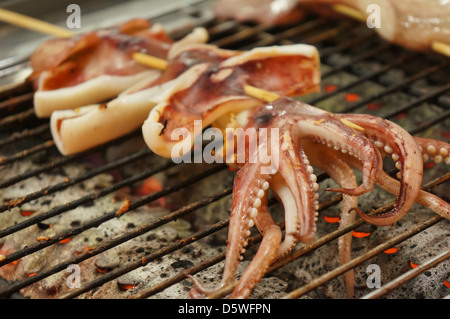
(26, 213)
(374, 106)
(102, 270)
(123, 207)
(149, 186)
(391, 251)
(65, 240)
(446, 283)
(413, 265)
(42, 238)
(32, 274)
(330, 88)
(85, 249)
(351, 97)
(331, 220)
(429, 165)
(400, 116)
(125, 287)
(445, 134)
(360, 234)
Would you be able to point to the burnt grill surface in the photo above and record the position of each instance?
(57, 212)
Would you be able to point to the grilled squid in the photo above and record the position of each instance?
(79, 129)
(414, 24)
(96, 66)
(219, 90)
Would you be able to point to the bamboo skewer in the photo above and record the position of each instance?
(350, 12)
(33, 24)
(151, 61)
(145, 59)
(441, 48)
(161, 64)
(50, 29)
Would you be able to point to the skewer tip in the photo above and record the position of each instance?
(349, 11)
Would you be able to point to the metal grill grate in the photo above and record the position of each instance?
(409, 88)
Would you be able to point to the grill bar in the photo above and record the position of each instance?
(83, 200)
(72, 181)
(60, 162)
(199, 267)
(100, 220)
(426, 72)
(22, 154)
(359, 58)
(15, 105)
(344, 88)
(131, 266)
(330, 237)
(430, 123)
(419, 101)
(27, 133)
(117, 241)
(357, 260)
(408, 275)
(17, 118)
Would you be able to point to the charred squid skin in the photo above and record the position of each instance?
(393, 140)
(250, 188)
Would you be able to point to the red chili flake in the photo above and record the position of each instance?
(351, 97)
(330, 88)
(374, 106)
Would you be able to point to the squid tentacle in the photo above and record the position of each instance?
(433, 150)
(298, 175)
(395, 141)
(267, 252)
(250, 187)
(326, 160)
(429, 200)
(338, 136)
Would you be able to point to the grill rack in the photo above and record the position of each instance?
(233, 35)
